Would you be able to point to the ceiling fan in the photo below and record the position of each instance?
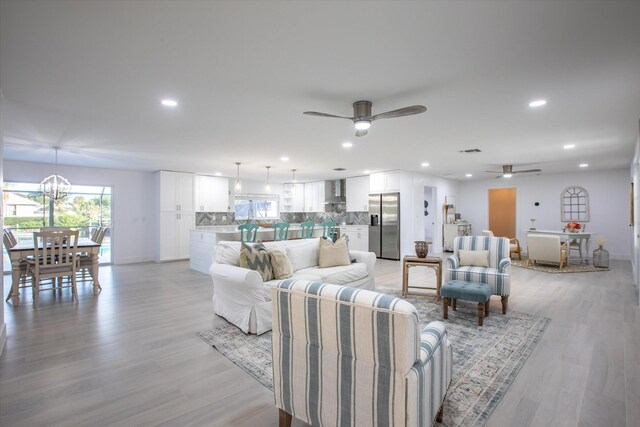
(507, 171)
(362, 117)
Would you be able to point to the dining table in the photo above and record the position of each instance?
(568, 235)
(25, 248)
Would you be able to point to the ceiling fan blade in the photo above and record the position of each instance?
(315, 113)
(493, 171)
(406, 111)
(361, 132)
(528, 171)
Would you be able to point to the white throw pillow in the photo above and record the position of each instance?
(333, 254)
(228, 253)
(474, 258)
(303, 253)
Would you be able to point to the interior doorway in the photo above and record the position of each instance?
(502, 212)
(429, 213)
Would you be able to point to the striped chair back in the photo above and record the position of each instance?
(498, 247)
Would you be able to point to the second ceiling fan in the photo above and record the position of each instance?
(507, 171)
(362, 117)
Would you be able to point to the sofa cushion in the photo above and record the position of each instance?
(256, 258)
(340, 275)
(282, 267)
(474, 258)
(228, 253)
(303, 253)
(333, 254)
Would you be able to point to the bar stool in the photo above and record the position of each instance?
(327, 229)
(281, 231)
(307, 229)
(248, 232)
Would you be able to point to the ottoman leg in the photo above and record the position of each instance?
(454, 304)
(480, 313)
(505, 301)
(486, 308)
(445, 308)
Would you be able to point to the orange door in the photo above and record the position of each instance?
(502, 212)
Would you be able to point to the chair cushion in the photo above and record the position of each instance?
(468, 291)
(339, 275)
(333, 254)
(256, 258)
(474, 258)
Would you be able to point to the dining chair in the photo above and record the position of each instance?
(55, 255)
(84, 259)
(327, 229)
(281, 231)
(514, 244)
(575, 244)
(307, 229)
(10, 241)
(248, 232)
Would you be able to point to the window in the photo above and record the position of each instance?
(575, 204)
(256, 206)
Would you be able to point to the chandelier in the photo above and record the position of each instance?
(55, 186)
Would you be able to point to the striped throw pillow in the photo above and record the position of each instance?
(256, 258)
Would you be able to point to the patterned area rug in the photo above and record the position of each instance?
(551, 268)
(486, 359)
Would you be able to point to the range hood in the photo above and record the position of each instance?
(334, 191)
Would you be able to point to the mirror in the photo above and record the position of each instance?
(574, 204)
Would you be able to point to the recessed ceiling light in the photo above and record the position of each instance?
(584, 165)
(569, 146)
(424, 164)
(347, 144)
(169, 102)
(507, 175)
(469, 175)
(284, 158)
(537, 103)
(218, 174)
(366, 171)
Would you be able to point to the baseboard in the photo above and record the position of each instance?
(132, 260)
(3, 337)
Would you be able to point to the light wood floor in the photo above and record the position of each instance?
(130, 356)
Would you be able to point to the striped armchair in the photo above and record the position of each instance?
(497, 275)
(351, 357)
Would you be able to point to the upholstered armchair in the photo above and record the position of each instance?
(514, 244)
(496, 272)
(352, 357)
(547, 249)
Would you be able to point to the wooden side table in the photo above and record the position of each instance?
(412, 261)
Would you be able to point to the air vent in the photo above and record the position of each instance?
(339, 169)
(472, 150)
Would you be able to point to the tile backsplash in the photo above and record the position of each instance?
(338, 215)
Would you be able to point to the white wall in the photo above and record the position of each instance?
(3, 326)
(132, 203)
(608, 204)
(635, 235)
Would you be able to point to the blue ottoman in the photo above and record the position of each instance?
(469, 291)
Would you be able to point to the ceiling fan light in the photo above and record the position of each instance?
(363, 124)
(507, 175)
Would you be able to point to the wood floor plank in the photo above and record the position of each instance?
(130, 356)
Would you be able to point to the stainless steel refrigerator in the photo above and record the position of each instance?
(384, 225)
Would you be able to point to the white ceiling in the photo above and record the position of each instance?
(89, 76)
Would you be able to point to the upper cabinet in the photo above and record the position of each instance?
(314, 196)
(176, 191)
(358, 194)
(385, 182)
(293, 198)
(212, 194)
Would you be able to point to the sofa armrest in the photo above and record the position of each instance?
(241, 284)
(452, 262)
(431, 337)
(368, 258)
(504, 266)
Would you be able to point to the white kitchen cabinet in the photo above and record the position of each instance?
(314, 196)
(293, 198)
(176, 191)
(212, 194)
(358, 194)
(385, 182)
(358, 236)
(174, 235)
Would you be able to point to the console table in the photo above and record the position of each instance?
(413, 261)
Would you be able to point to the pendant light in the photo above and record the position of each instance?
(293, 187)
(238, 186)
(268, 186)
(55, 186)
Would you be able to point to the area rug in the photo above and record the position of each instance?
(550, 268)
(486, 359)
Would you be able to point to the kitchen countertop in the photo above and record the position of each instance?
(234, 228)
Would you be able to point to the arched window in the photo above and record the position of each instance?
(574, 204)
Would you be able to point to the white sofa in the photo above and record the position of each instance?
(241, 297)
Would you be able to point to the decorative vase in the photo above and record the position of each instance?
(422, 248)
(601, 257)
